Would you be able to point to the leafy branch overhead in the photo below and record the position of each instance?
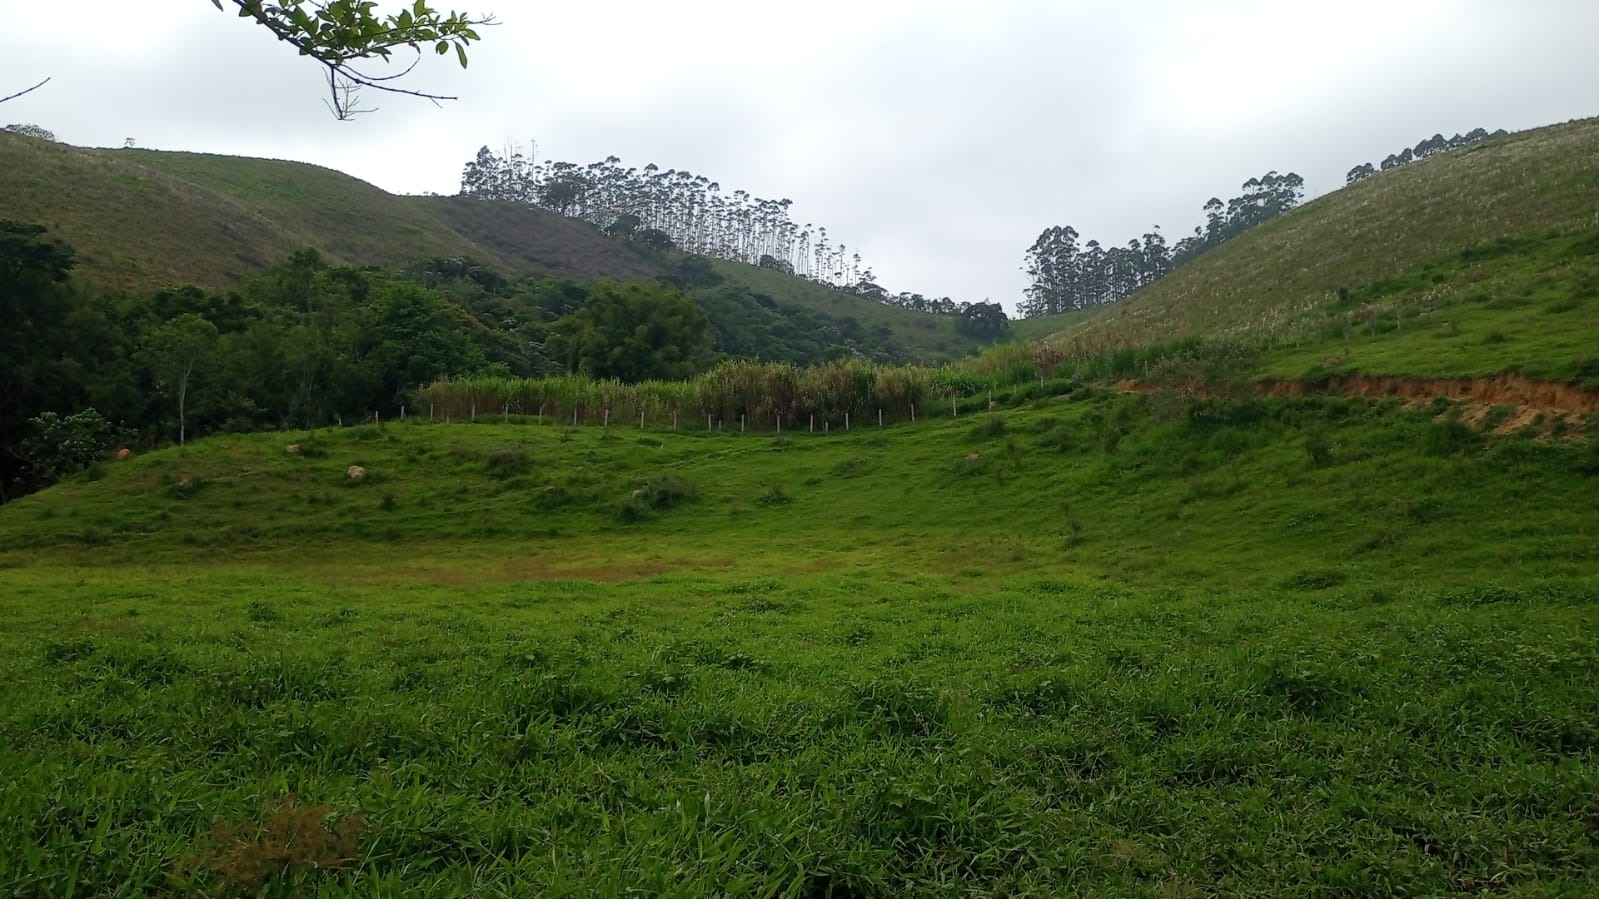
(344, 34)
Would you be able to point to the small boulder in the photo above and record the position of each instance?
(292, 449)
(972, 457)
(124, 454)
(356, 473)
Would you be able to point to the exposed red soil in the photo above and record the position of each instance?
(1510, 389)
(1531, 402)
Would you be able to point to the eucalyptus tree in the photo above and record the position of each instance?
(675, 207)
(1066, 276)
(1427, 148)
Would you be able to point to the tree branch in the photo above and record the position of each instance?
(337, 43)
(28, 91)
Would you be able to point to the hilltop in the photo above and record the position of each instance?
(1477, 261)
(142, 219)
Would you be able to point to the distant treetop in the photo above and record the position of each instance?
(1432, 146)
(27, 130)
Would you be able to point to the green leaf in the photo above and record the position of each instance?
(460, 53)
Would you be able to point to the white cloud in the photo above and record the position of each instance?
(939, 137)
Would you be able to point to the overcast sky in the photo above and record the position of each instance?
(936, 137)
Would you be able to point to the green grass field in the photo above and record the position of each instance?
(1289, 647)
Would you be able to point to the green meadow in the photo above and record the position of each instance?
(1092, 644)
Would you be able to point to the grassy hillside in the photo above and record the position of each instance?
(142, 218)
(1309, 646)
(1036, 326)
(930, 338)
(536, 239)
(1476, 261)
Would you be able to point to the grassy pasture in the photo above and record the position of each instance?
(1277, 279)
(1527, 305)
(1310, 647)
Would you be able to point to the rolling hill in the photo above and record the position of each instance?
(144, 218)
(1477, 261)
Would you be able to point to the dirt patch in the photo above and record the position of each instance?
(1535, 404)
(1511, 389)
(1527, 417)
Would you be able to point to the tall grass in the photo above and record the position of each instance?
(1080, 358)
(753, 395)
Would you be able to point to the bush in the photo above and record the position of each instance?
(656, 495)
(1318, 447)
(664, 493)
(1586, 461)
(185, 486)
(775, 495)
(1450, 437)
(508, 461)
(989, 428)
(61, 446)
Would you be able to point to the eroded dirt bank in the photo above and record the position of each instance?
(1500, 390)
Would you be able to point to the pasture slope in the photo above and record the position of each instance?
(1087, 644)
(1479, 262)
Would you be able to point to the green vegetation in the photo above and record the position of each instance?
(1527, 305)
(142, 219)
(741, 395)
(1243, 646)
(635, 334)
(1035, 326)
(306, 344)
(925, 338)
(1404, 241)
(1088, 615)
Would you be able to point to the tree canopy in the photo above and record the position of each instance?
(633, 332)
(1067, 275)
